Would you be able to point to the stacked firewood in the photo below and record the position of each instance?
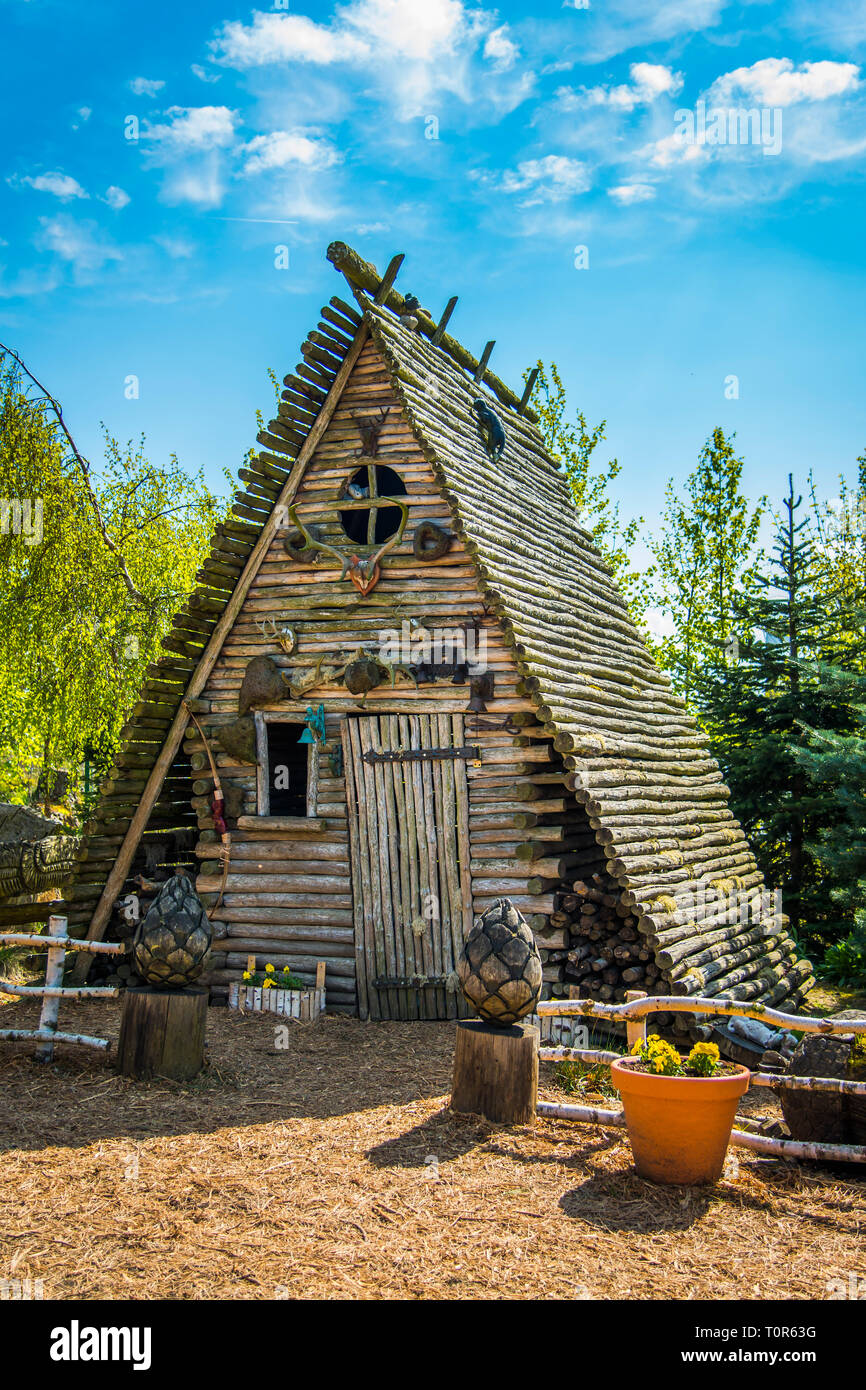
(590, 946)
(608, 955)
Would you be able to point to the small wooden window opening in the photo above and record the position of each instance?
(287, 769)
(371, 526)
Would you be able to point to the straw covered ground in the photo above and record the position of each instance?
(334, 1169)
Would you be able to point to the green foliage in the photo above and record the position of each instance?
(572, 447)
(579, 1078)
(705, 552)
(836, 764)
(754, 709)
(271, 978)
(75, 634)
(839, 528)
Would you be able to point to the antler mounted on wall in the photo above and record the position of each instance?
(285, 637)
(365, 571)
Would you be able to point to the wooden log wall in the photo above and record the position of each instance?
(288, 896)
(167, 679)
(605, 800)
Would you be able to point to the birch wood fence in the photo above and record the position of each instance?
(57, 943)
(634, 1013)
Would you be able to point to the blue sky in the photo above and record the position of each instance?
(488, 144)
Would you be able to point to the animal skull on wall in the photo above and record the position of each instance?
(285, 637)
(364, 571)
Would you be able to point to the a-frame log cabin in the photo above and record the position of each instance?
(381, 786)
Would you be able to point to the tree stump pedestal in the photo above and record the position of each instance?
(496, 1072)
(162, 1032)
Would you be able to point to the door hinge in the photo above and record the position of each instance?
(424, 755)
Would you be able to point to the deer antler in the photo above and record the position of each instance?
(314, 544)
(284, 637)
(364, 573)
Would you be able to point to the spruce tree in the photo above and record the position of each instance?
(837, 763)
(779, 678)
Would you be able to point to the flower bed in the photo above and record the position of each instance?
(279, 992)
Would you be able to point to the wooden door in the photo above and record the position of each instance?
(409, 837)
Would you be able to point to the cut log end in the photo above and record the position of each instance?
(496, 1072)
(162, 1032)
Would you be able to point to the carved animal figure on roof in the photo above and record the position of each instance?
(491, 427)
(409, 318)
(370, 428)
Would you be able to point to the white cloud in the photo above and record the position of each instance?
(660, 623)
(177, 247)
(116, 198)
(192, 144)
(203, 75)
(627, 193)
(777, 82)
(548, 179)
(202, 184)
(410, 49)
(79, 244)
(62, 186)
(194, 128)
(283, 149)
(146, 86)
(673, 149)
(649, 81)
(500, 50)
(276, 38)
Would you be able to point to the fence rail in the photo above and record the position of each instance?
(57, 943)
(639, 1007)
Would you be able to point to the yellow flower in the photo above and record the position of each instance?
(247, 975)
(269, 970)
(267, 984)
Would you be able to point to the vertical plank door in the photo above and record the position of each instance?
(411, 887)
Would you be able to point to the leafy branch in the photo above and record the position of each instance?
(84, 469)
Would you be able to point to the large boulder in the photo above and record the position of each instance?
(816, 1117)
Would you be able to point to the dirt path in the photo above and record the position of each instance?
(334, 1169)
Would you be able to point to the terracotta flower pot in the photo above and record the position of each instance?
(679, 1126)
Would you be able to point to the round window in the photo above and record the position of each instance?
(372, 525)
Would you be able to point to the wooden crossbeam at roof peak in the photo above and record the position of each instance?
(443, 322)
(484, 359)
(388, 278)
(364, 277)
(527, 390)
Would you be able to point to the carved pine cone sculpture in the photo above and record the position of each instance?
(172, 943)
(500, 968)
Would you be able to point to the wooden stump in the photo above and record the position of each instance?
(496, 1072)
(162, 1032)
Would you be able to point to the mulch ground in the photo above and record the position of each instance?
(334, 1169)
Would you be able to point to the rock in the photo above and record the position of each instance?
(239, 739)
(773, 1061)
(363, 675)
(828, 1119)
(500, 969)
(262, 684)
(172, 943)
(776, 1129)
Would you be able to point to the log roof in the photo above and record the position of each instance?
(638, 762)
